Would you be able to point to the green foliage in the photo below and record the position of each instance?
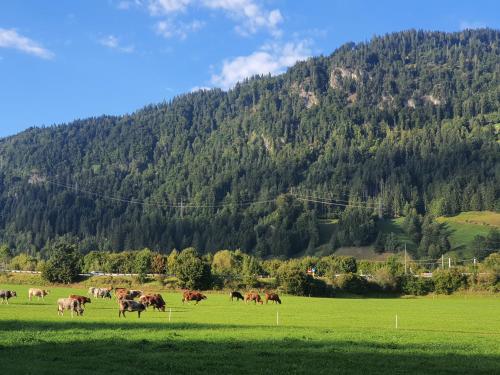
(64, 264)
(356, 227)
(434, 242)
(191, 271)
(143, 263)
(293, 279)
(5, 255)
(417, 286)
(172, 261)
(331, 265)
(492, 262)
(227, 263)
(387, 280)
(483, 246)
(23, 262)
(351, 283)
(448, 281)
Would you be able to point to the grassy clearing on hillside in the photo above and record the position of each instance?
(467, 225)
(458, 334)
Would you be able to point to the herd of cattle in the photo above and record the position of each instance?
(126, 299)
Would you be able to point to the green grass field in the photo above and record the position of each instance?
(440, 335)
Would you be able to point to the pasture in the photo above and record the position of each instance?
(435, 335)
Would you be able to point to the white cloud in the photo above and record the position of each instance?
(271, 58)
(471, 25)
(249, 16)
(127, 4)
(159, 7)
(9, 38)
(253, 18)
(170, 28)
(112, 42)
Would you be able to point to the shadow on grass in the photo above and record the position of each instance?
(174, 354)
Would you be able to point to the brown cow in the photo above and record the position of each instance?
(122, 294)
(155, 300)
(190, 295)
(83, 300)
(273, 297)
(34, 292)
(129, 305)
(252, 296)
(120, 291)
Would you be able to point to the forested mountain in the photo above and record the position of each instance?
(406, 123)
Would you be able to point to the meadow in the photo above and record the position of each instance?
(436, 334)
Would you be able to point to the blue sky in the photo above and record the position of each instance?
(64, 60)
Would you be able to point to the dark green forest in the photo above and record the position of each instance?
(406, 124)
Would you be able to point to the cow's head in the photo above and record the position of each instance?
(13, 293)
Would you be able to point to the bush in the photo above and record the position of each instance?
(351, 283)
(487, 281)
(386, 280)
(448, 281)
(417, 286)
(64, 264)
(293, 280)
(191, 271)
(319, 288)
(23, 262)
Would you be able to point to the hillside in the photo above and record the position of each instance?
(407, 121)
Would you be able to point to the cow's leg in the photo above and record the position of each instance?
(138, 314)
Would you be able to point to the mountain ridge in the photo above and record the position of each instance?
(372, 122)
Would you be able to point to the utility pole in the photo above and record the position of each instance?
(442, 262)
(182, 208)
(449, 263)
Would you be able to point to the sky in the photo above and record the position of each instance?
(67, 60)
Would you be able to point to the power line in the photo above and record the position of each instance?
(182, 205)
(305, 199)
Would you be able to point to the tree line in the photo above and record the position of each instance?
(226, 269)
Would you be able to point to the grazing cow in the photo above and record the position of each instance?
(155, 300)
(70, 304)
(273, 297)
(6, 294)
(130, 305)
(252, 296)
(34, 292)
(83, 300)
(123, 294)
(102, 293)
(120, 290)
(135, 293)
(236, 295)
(189, 295)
